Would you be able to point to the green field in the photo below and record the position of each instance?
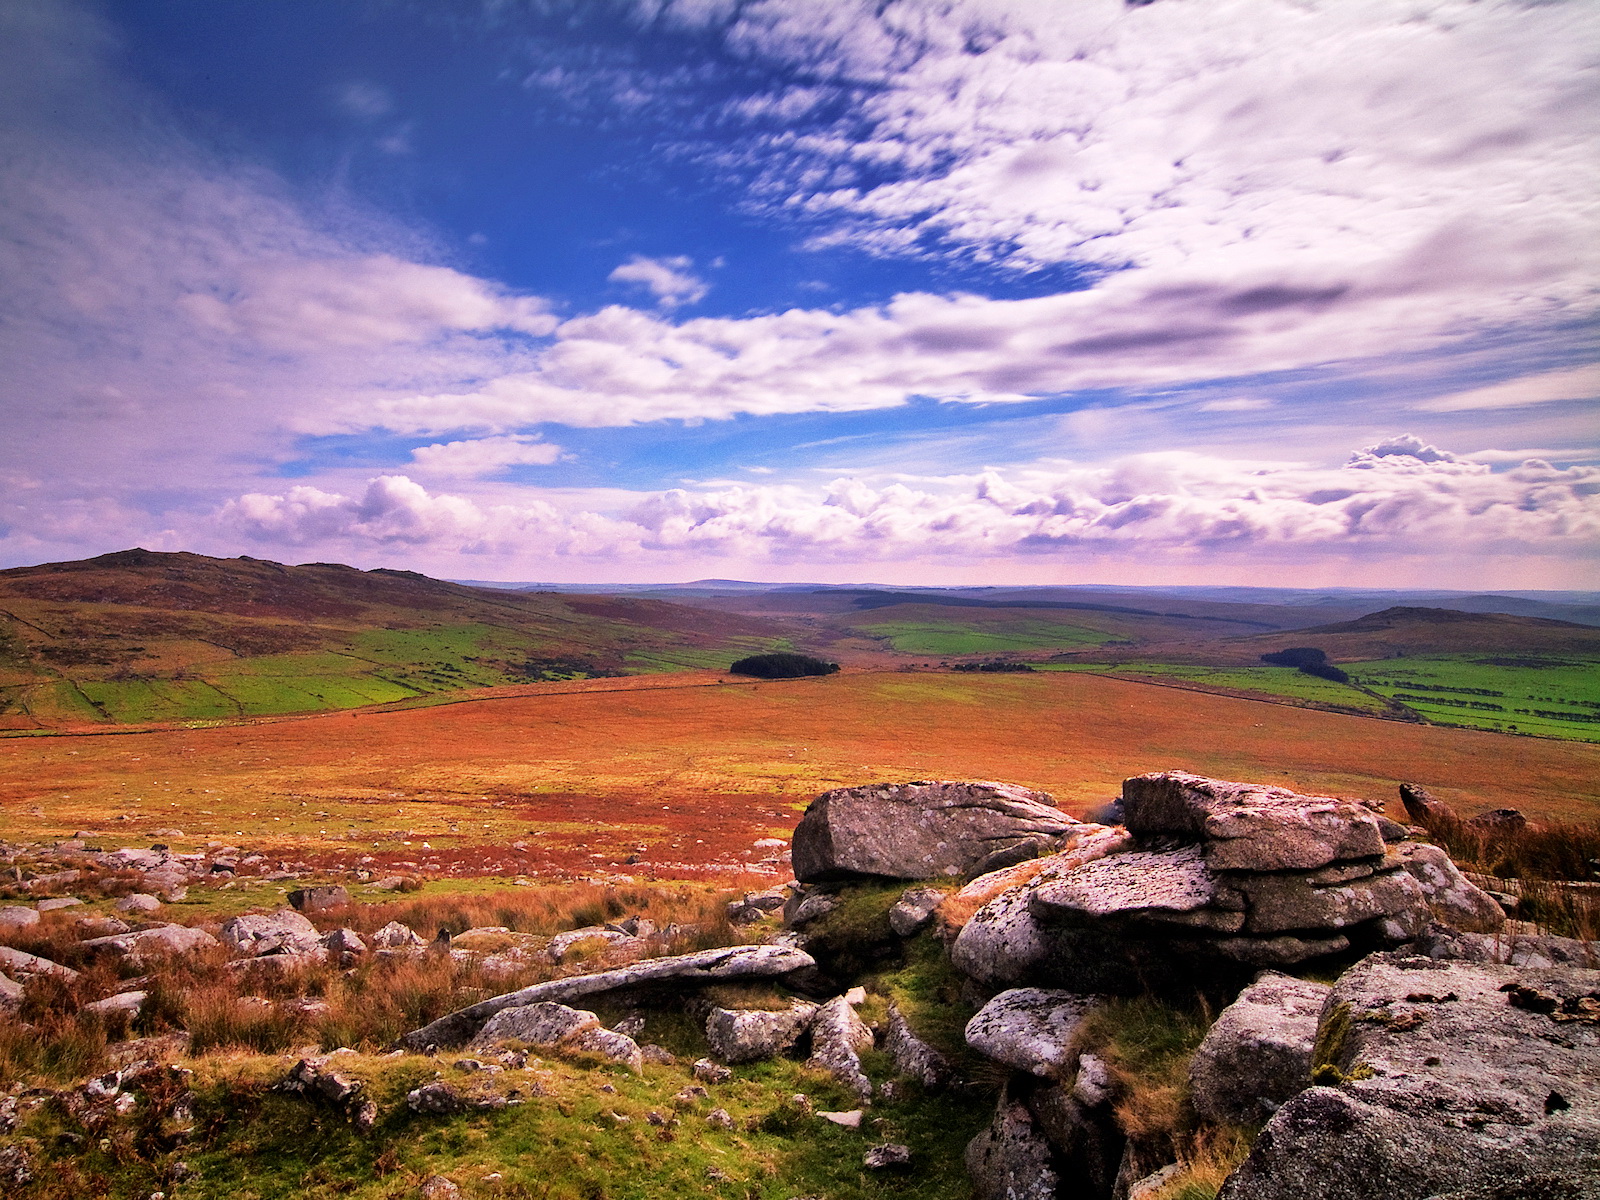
(970, 637)
(1544, 695)
(1271, 681)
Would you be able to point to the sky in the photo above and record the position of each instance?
(1254, 292)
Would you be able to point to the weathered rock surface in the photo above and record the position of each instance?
(1424, 809)
(282, 932)
(1247, 826)
(15, 916)
(542, 1024)
(1518, 950)
(748, 1035)
(1452, 897)
(752, 906)
(1011, 1159)
(920, 830)
(1173, 887)
(1258, 1053)
(608, 1043)
(125, 1006)
(1471, 1081)
(137, 902)
(678, 971)
(1030, 1029)
(838, 1037)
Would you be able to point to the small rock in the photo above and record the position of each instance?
(282, 932)
(19, 964)
(1030, 1029)
(850, 1120)
(914, 909)
(52, 903)
(1094, 1085)
(709, 1072)
(718, 1118)
(888, 1155)
(543, 1024)
(125, 1006)
(437, 1187)
(395, 936)
(739, 1036)
(138, 902)
(652, 1053)
(692, 1094)
(1258, 1052)
(837, 1039)
(436, 1098)
(318, 899)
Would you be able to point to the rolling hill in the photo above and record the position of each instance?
(140, 635)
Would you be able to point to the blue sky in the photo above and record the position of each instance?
(1010, 291)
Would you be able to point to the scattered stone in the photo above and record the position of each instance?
(697, 969)
(1258, 1053)
(1030, 1029)
(1150, 1186)
(1498, 820)
(437, 1187)
(718, 1118)
(1438, 1084)
(752, 906)
(651, 1053)
(1424, 810)
(282, 932)
(137, 902)
(608, 1043)
(918, 830)
(52, 903)
(692, 1094)
(803, 909)
(97, 927)
(542, 1024)
(346, 943)
(914, 910)
(886, 1156)
(437, 1098)
(395, 936)
(11, 994)
(318, 899)
(740, 1036)
(709, 1072)
(587, 939)
(848, 1120)
(14, 916)
(124, 1007)
(838, 1037)
(19, 964)
(912, 1056)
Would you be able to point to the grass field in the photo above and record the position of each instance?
(685, 776)
(1278, 682)
(1545, 695)
(964, 637)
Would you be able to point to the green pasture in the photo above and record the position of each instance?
(1545, 695)
(963, 637)
(1286, 682)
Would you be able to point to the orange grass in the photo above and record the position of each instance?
(697, 773)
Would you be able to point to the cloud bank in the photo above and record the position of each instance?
(1398, 495)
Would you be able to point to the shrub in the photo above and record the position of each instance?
(782, 666)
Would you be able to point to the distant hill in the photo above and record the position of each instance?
(144, 635)
(1419, 631)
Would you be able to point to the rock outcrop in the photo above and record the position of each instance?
(1220, 877)
(1474, 1081)
(283, 932)
(921, 830)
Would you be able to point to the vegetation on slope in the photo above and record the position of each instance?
(142, 636)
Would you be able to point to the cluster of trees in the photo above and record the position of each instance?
(1308, 660)
(782, 666)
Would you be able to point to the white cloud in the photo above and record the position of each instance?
(669, 280)
(1399, 496)
(1578, 383)
(484, 456)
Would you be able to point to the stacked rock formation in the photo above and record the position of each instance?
(1219, 874)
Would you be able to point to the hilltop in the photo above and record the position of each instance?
(144, 635)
